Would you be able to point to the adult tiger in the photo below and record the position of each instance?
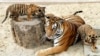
(24, 9)
(88, 35)
(68, 33)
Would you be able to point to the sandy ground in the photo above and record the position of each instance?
(91, 14)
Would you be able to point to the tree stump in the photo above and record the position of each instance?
(28, 33)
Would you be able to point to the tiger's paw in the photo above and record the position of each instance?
(94, 49)
(29, 19)
(40, 53)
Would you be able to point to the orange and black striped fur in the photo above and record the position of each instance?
(69, 27)
(16, 10)
(88, 36)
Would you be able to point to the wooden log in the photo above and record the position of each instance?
(28, 33)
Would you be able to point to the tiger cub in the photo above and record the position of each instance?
(24, 9)
(88, 36)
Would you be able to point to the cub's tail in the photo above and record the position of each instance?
(6, 16)
(77, 12)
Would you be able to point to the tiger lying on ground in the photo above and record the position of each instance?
(68, 31)
(24, 9)
(88, 35)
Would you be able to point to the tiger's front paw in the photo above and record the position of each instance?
(40, 53)
(94, 48)
(29, 19)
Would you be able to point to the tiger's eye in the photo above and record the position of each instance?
(96, 36)
(39, 10)
(89, 35)
(47, 17)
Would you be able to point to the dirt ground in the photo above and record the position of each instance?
(91, 14)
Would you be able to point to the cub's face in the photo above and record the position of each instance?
(91, 37)
(92, 40)
(38, 11)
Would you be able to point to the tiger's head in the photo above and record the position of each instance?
(37, 11)
(51, 21)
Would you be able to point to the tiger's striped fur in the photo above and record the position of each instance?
(24, 9)
(68, 37)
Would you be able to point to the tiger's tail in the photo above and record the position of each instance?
(77, 12)
(6, 15)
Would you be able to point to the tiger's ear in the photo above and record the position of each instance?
(31, 5)
(43, 8)
(47, 17)
(60, 20)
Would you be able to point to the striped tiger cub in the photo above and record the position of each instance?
(30, 10)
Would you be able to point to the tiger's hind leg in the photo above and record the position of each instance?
(11, 15)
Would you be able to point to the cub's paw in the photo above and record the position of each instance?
(94, 49)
